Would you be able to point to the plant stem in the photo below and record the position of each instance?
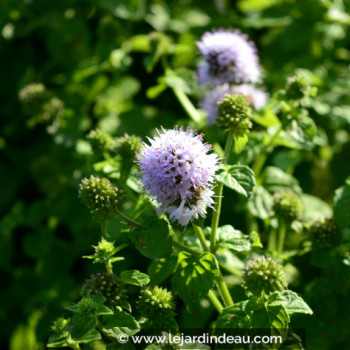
(224, 292)
(104, 225)
(185, 248)
(215, 301)
(187, 105)
(128, 220)
(260, 161)
(199, 233)
(218, 193)
(109, 266)
(281, 235)
(271, 245)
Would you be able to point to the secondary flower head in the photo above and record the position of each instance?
(257, 97)
(287, 205)
(234, 113)
(100, 196)
(178, 171)
(100, 141)
(324, 233)
(228, 57)
(109, 284)
(263, 275)
(126, 147)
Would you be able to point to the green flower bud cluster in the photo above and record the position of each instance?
(157, 305)
(59, 324)
(234, 113)
(127, 147)
(87, 306)
(100, 141)
(297, 88)
(324, 233)
(100, 196)
(263, 275)
(109, 284)
(287, 206)
(39, 103)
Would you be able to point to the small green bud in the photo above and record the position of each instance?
(297, 88)
(100, 196)
(87, 306)
(234, 113)
(324, 233)
(32, 97)
(59, 324)
(53, 109)
(127, 147)
(100, 141)
(157, 305)
(263, 275)
(287, 206)
(109, 284)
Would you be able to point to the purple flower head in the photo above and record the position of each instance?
(257, 97)
(178, 171)
(228, 57)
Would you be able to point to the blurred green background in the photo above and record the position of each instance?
(97, 60)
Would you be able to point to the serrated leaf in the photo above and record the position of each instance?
(103, 310)
(315, 207)
(119, 323)
(194, 276)
(276, 180)
(290, 301)
(89, 337)
(233, 239)
(239, 178)
(233, 317)
(260, 204)
(160, 269)
(153, 241)
(341, 207)
(134, 277)
(82, 324)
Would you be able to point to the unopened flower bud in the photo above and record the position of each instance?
(100, 196)
(32, 97)
(324, 233)
(87, 306)
(59, 324)
(100, 141)
(263, 275)
(157, 305)
(109, 284)
(127, 147)
(234, 113)
(287, 206)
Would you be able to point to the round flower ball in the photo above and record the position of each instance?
(178, 170)
(256, 96)
(228, 58)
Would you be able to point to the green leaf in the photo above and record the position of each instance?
(315, 207)
(194, 277)
(341, 206)
(275, 180)
(134, 277)
(239, 178)
(82, 324)
(290, 301)
(265, 315)
(255, 240)
(233, 317)
(260, 204)
(119, 323)
(89, 337)
(153, 241)
(103, 310)
(240, 142)
(230, 238)
(160, 269)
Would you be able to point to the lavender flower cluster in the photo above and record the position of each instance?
(230, 65)
(179, 172)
